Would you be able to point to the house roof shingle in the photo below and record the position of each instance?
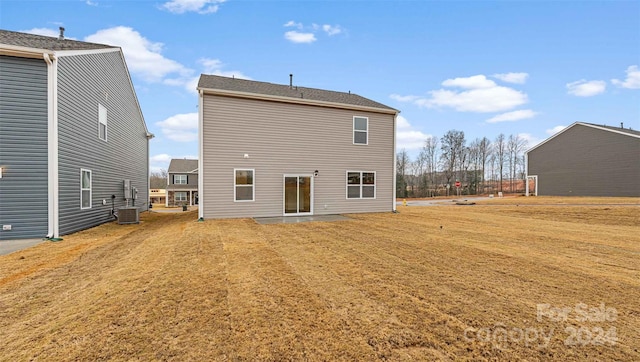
(618, 129)
(182, 165)
(215, 82)
(46, 42)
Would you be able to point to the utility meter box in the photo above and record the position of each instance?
(127, 189)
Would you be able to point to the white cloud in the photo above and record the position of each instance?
(584, 88)
(512, 116)
(332, 29)
(307, 34)
(400, 98)
(91, 3)
(161, 158)
(292, 23)
(298, 37)
(473, 82)
(209, 66)
(143, 56)
(554, 130)
(632, 81)
(484, 100)
(531, 140)
(407, 137)
(198, 6)
(478, 94)
(181, 127)
(517, 78)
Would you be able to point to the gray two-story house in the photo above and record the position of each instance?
(71, 132)
(281, 150)
(182, 183)
(587, 159)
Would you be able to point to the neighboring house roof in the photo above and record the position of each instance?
(613, 129)
(46, 42)
(179, 165)
(283, 92)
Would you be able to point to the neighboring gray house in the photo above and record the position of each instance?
(182, 182)
(274, 150)
(587, 159)
(71, 130)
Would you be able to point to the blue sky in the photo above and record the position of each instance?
(483, 67)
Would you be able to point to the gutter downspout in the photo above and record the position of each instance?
(52, 134)
(201, 195)
(394, 163)
(148, 136)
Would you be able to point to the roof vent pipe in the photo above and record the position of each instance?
(290, 80)
(61, 37)
(621, 124)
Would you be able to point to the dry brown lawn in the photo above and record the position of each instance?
(430, 283)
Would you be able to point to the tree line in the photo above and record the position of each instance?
(481, 166)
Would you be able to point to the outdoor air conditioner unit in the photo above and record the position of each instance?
(128, 215)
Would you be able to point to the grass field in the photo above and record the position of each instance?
(495, 282)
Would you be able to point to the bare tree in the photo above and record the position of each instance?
(484, 151)
(500, 149)
(158, 179)
(430, 154)
(452, 147)
(402, 165)
(515, 146)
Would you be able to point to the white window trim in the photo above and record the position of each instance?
(353, 135)
(103, 110)
(375, 185)
(253, 195)
(186, 179)
(82, 171)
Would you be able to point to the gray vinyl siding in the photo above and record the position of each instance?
(84, 81)
(585, 161)
(282, 138)
(23, 148)
(192, 181)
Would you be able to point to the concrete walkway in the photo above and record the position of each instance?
(298, 219)
(9, 246)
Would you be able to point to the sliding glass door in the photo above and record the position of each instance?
(298, 194)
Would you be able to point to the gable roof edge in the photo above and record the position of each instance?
(582, 124)
(267, 97)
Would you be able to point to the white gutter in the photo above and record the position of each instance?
(201, 198)
(52, 141)
(393, 186)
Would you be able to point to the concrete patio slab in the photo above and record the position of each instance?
(298, 219)
(9, 246)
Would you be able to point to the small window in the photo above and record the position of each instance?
(244, 185)
(85, 189)
(181, 196)
(361, 185)
(102, 122)
(180, 179)
(360, 130)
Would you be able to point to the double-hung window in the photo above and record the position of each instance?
(181, 196)
(85, 189)
(361, 185)
(102, 122)
(360, 130)
(244, 185)
(180, 179)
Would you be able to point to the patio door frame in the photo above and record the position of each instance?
(284, 194)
